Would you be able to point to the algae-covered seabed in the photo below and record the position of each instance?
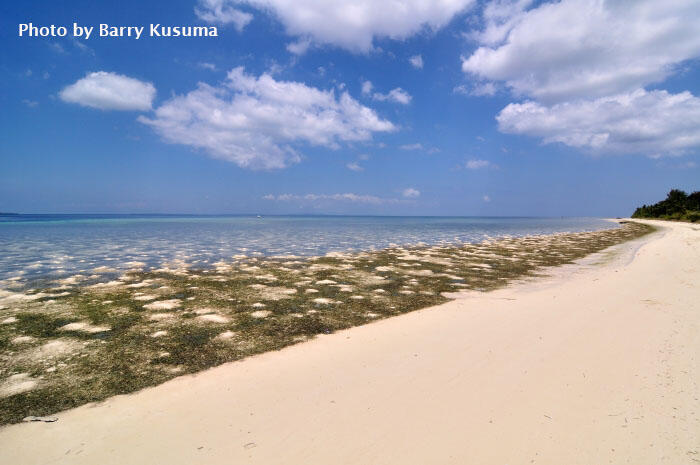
(82, 341)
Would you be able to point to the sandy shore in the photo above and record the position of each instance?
(598, 364)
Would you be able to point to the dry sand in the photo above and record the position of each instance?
(598, 364)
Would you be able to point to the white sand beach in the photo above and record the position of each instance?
(599, 363)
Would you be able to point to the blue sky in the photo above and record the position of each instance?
(450, 107)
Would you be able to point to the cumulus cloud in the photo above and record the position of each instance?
(416, 61)
(397, 95)
(477, 164)
(346, 197)
(500, 17)
(354, 24)
(354, 166)
(222, 12)
(570, 49)
(367, 88)
(259, 122)
(110, 91)
(410, 193)
(584, 65)
(648, 122)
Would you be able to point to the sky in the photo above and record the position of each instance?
(399, 107)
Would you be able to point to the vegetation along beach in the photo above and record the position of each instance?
(69, 344)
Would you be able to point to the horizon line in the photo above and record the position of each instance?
(304, 214)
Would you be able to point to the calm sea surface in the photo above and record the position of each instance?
(38, 247)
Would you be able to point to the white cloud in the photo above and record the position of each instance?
(416, 61)
(30, 103)
(209, 66)
(346, 197)
(363, 156)
(222, 12)
(110, 91)
(258, 122)
(500, 17)
(477, 164)
(353, 166)
(582, 48)
(397, 95)
(486, 198)
(354, 24)
(367, 88)
(274, 68)
(416, 146)
(411, 193)
(460, 89)
(646, 122)
(299, 47)
(483, 89)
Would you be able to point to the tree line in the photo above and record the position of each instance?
(677, 206)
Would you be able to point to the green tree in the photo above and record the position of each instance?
(677, 206)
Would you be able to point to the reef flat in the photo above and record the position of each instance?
(82, 340)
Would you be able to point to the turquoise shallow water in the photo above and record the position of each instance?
(40, 247)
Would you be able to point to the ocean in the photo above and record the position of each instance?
(38, 248)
